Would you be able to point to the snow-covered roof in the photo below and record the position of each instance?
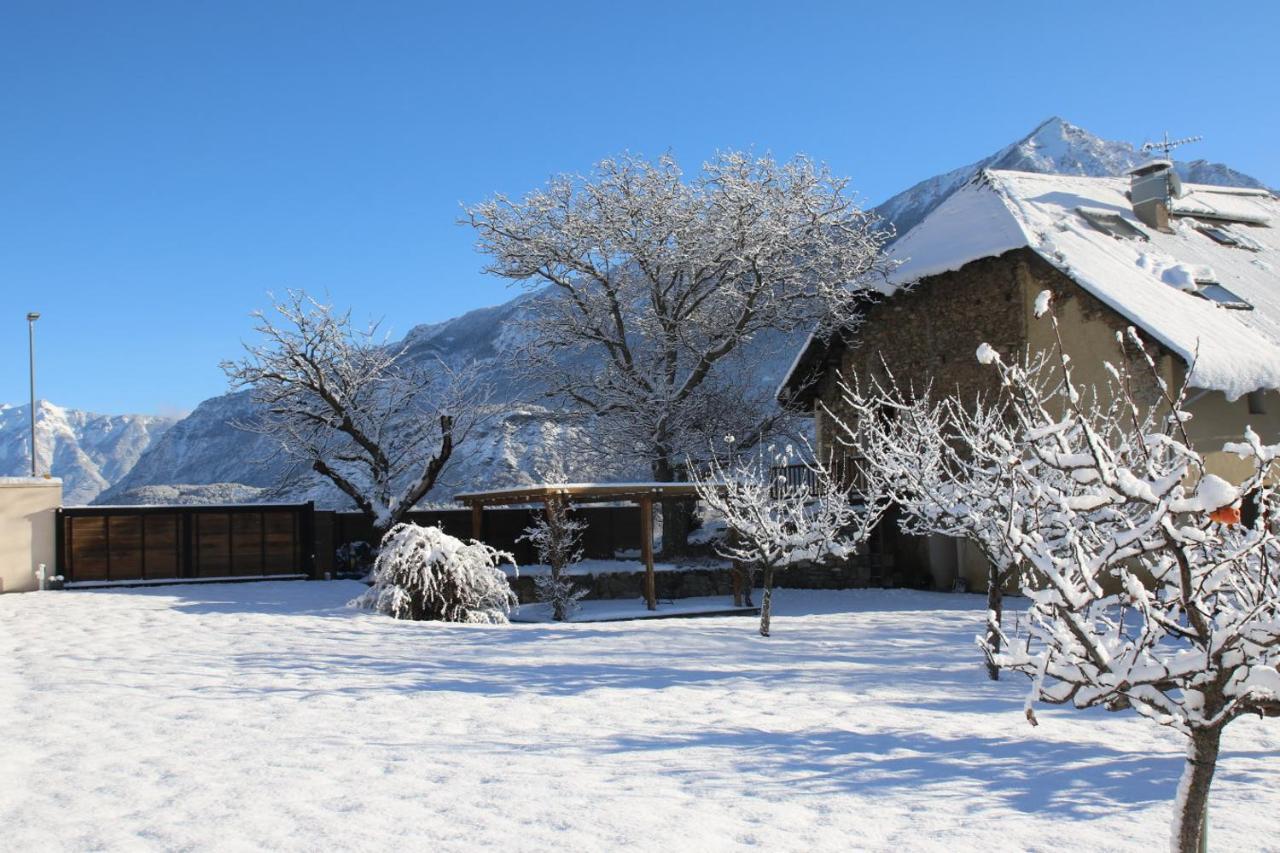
(1152, 282)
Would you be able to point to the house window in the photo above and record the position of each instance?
(1257, 402)
(1111, 223)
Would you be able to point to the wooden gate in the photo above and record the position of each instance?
(148, 543)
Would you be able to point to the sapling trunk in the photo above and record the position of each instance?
(766, 600)
(995, 611)
(558, 611)
(1192, 804)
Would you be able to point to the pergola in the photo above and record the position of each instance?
(641, 494)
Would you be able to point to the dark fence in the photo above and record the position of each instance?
(169, 542)
(191, 542)
(610, 529)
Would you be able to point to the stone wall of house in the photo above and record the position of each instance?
(928, 334)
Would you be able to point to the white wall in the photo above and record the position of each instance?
(27, 524)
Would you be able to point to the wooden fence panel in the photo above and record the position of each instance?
(175, 542)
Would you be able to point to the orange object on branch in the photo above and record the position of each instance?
(1226, 515)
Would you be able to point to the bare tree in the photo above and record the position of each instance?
(773, 523)
(656, 282)
(920, 453)
(349, 406)
(1146, 590)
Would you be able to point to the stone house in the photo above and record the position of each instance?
(1194, 269)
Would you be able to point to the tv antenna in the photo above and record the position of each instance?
(1167, 145)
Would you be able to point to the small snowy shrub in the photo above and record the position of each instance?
(354, 559)
(422, 573)
(773, 524)
(556, 538)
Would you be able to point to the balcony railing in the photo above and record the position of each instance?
(846, 471)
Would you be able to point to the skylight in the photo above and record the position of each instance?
(1227, 237)
(1208, 287)
(1112, 224)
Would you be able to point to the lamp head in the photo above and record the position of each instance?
(33, 316)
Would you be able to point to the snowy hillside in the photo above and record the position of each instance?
(88, 451)
(1055, 147)
(205, 451)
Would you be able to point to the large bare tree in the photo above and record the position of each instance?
(658, 279)
(346, 404)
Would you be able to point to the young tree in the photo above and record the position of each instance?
(920, 454)
(351, 408)
(557, 540)
(1146, 591)
(422, 573)
(656, 281)
(774, 523)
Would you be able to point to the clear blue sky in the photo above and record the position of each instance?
(163, 165)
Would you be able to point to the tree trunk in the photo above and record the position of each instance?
(766, 600)
(677, 515)
(995, 611)
(1190, 810)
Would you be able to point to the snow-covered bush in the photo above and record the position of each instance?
(556, 538)
(1146, 590)
(424, 573)
(773, 524)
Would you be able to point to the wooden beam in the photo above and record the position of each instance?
(646, 552)
(477, 521)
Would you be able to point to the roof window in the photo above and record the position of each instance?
(1208, 287)
(1227, 237)
(1111, 223)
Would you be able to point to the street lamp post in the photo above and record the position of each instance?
(31, 360)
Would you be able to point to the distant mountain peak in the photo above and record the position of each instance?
(1055, 146)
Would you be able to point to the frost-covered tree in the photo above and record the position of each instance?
(929, 459)
(658, 278)
(557, 540)
(773, 523)
(422, 573)
(342, 402)
(1146, 591)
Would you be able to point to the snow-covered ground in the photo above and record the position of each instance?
(270, 716)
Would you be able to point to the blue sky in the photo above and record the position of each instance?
(164, 165)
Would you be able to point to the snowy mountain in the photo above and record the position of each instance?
(1055, 147)
(204, 457)
(88, 451)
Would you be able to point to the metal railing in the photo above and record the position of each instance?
(847, 472)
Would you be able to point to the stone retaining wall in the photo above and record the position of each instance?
(865, 570)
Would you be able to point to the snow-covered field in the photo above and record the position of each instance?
(269, 716)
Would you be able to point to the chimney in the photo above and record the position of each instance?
(1152, 185)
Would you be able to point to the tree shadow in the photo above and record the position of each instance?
(1031, 776)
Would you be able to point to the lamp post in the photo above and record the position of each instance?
(31, 360)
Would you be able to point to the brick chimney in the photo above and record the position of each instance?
(1151, 187)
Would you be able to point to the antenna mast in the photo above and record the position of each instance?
(1166, 147)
